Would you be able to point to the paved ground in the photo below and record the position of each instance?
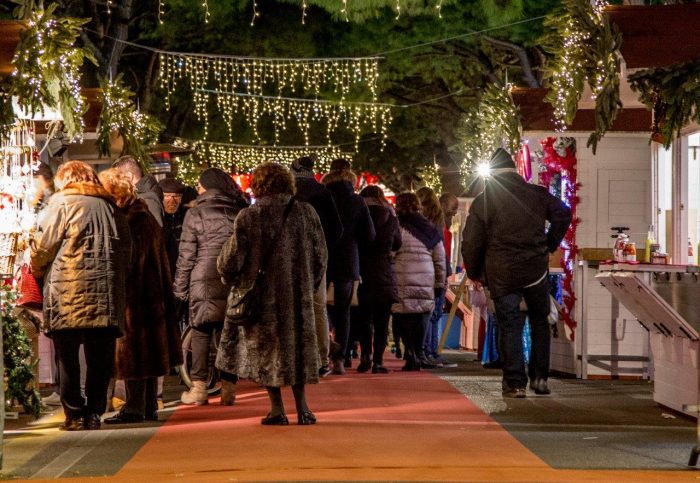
(399, 427)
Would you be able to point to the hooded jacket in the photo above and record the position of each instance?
(376, 263)
(83, 255)
(208, 225)
(505, 241)
(420, 269)
(343, 256)
(148, 190)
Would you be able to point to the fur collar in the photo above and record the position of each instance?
(86, 189)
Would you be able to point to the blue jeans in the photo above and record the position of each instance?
(511, 322)
(430, 345)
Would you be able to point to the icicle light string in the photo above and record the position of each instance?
(253, 75)
(356, 117)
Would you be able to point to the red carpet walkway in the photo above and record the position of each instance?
(402, 426)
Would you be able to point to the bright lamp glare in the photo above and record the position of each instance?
(483, 170)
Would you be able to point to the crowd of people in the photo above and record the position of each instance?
(124, 260)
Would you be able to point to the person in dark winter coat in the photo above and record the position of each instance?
(378, 290)
(280, 348)
(314, 193)
(146, 186)
(83, 256)
(343, 257)
(151, 343)
(420, 270)
(506, 245)
(207, 227)
(173, 218)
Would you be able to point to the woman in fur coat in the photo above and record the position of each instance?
(151, 342)
(281, 349)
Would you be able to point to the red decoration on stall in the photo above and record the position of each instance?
(555, 164)
(243, 180)
(523, 162)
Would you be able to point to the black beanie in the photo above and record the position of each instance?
(501, 159)
(304, 163)
(214, 178)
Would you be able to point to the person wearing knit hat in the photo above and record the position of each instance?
(173, 218)
(207, 226)
(318, 196)
(506, 246)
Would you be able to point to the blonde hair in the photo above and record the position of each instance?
(118, 184)
(430, 206)
(75, 172)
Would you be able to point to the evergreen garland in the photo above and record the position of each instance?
(673, 93)
(495, 123)
(7, 114)
(47, 66)
(119, 114)
(585, 45)
(430, 175)
(17, 351)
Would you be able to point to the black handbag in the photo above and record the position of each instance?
(244, 303)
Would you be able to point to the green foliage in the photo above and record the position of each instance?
(362, 10)
(7, 114)
(431, 177)
(499, 12)
(494, 123)
(47, 64)
(585, 47)
(25, 8)
(17, 352)
(673, 93)
(119, 114)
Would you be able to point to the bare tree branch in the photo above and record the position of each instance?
(521, 53)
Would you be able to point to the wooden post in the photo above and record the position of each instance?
(453, 312)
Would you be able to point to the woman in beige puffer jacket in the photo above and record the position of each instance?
(420, 270)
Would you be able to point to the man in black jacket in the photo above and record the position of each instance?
(314, 193)
(146, 186)
(506, 245)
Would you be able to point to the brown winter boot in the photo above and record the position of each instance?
(196, 395)
(228, 393)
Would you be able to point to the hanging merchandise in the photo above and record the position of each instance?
(523, 161)
(560, 162)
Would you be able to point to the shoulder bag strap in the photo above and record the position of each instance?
(273, 245)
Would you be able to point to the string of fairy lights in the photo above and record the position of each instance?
(241, 159)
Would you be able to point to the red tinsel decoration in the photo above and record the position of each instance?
(566, 167)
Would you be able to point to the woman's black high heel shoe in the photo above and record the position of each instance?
(306, 418)
(279, 420)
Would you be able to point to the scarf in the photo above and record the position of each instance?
(419, 226)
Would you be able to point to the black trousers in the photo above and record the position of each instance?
(339, 316)
(372, 322)
(141, 396)
(99, 346)
(412, 329)
(202, 338)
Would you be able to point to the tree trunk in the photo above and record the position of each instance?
(119, 31)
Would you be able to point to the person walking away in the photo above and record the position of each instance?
(378, 291)
(343, 257)
(506, 245)
(432, 210)
(146, 185)
(83, 256)
(150, 346)
(420, 269)
(283, 238)
(314, 193)
(208, 225)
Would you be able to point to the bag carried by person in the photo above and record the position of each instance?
(244, 303)
(29, 289)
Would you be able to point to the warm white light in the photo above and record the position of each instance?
(483, 169)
